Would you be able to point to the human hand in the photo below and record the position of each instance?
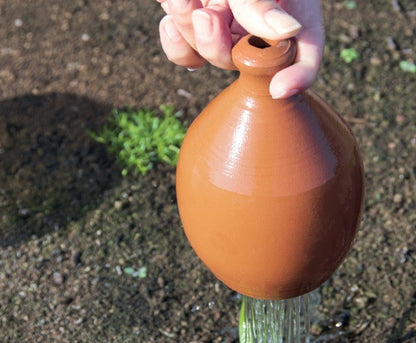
(196, 31)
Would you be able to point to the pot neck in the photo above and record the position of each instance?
(258, 62)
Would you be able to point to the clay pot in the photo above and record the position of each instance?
(270, 192)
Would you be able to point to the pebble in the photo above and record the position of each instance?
(58, 278)
(375, 61)
(341, 319)
(78, 321)
(18, 22)
(105, 70)
(104, 16)
(118, 205)
(391, 44)
(396, 6)
(401, 254)
(360, 302)
(184, 93)
(400, 119)
(354, 31)
(85, 37)
(25, 212)
(397, 198)
(76, 258)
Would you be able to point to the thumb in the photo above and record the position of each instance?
(264, 18)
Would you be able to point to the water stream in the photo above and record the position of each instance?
(275, 321)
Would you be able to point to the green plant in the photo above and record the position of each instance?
(349, 55)
(350, 4)
(140, 137)
(407, 66)
(141, 272)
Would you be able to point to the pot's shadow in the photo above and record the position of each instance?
(51, 171)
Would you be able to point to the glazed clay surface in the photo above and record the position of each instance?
(270, 192)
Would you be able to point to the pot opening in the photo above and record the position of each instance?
(257, 42)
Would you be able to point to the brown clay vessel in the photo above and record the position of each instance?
(270, 192)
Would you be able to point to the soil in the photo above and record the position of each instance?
(70, 223)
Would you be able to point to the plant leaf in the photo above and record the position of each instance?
(407, 66)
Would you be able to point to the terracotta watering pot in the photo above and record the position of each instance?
(270, 192)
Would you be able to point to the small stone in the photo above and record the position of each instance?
(391, 44)
(119, 239)
(18, 22)
(85, 37)
(360, 302)
(58, 279)
(118, 205)
(400, 119)
(354, 288)
(160, 282)
(76, 258)
(375, 61)
(78, 321)
(392, 145)
(396, 6)
(354, 31)
(316, 329)
(105, 70)
(397, 198)
(344, 38)
(184, 93)
(341, 319)
(104, 16)
(25, 212)
(401, 254)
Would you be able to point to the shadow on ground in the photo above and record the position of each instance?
(400, 333)
(52, 172)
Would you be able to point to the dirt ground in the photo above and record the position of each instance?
(70, 223)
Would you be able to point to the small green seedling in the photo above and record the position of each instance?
(140, 138)
(350, 5)
(407, 66)
(349, 55)
(140, 273)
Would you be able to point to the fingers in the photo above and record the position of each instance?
(302, 74)
(264, 18)
(181, 11)
(191, 34)
(213, 37)
(310, 42)
(176, 47)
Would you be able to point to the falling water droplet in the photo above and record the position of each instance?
(275, 321)
(195, 308)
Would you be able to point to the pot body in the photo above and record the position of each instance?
(270, 192)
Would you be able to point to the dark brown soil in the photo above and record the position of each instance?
(70, 224)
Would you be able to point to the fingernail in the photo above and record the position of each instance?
(281, 22)
(203, 29)
(280, 93)
(171, 30)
